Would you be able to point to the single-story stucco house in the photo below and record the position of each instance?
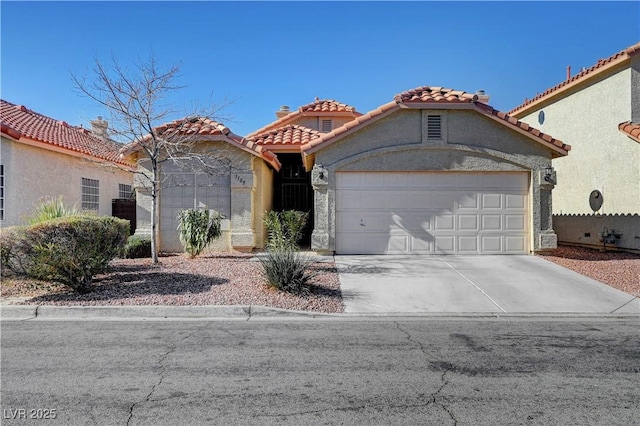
(41, 158)
(433, 171)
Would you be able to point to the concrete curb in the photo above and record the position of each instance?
(247, 312)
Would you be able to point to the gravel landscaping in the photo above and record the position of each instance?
(236, 279)
(224, 279)
(617, 269)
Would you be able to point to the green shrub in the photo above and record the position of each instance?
(198, 228)
(284, 229)
(51, 208)
(9, 260)
(287, 270)
(70, 250)
(137, 247)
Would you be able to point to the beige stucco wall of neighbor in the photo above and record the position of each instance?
(239, 231)
(33, 174)
(398, 142)
(601, 156)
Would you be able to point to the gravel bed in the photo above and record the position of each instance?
(223, 279)
(617, 269)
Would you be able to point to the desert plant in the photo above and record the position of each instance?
(69, 250)
(198, 228)
(287, 270)
(137, 247)
(51, 208)
(284, 229)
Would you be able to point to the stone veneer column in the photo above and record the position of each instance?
(242, 233)
(320, 234)
(547, 238)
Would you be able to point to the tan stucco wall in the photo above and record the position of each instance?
(33, 174)
(314, 122)
(601, 157)
(398, 142)
(262, 198)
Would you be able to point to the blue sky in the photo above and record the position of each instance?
(266, 54)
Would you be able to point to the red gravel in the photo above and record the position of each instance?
(620, 270)
(224, 279)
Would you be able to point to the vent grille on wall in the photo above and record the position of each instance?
(434, 127)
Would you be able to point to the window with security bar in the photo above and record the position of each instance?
(1, 192)
(90, 194)
(125, 191)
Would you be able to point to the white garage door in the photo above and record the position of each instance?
(432, 213)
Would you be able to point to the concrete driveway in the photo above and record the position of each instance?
(472, 284)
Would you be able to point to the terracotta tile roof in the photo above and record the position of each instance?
(325, 107)
(587, 74)
(204, 128)
(22, 124)
(426, 94)
(285, 138)
(432, 97)
(630, 129)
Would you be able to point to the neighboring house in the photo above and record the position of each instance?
(597, 112)
(41, 158)
(434, 171)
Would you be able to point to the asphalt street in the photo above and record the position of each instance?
(460, 371)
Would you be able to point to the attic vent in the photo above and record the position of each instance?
(326, 126)
(434, 127)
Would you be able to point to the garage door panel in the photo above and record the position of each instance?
(444, 222)
(491, 201)
(432, 212)
(468, 222)
(514, 222)
(514, 243)
(468, 201)
(491, 222)
(445, 244)
(514, 201)
(467, 244)
(491, 243)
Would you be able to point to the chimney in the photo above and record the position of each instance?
(568, 72)
(99, 128)
(284, 110)
(482, 96)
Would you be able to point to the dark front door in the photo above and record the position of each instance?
(293, 190)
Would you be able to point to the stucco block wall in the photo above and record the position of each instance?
(601, 157)
(33, 174)
(238, 228)
(586, 230)
(398, 142)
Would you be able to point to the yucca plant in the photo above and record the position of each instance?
(198, 228)
(51, 208)
(284, 229)
(287, 270)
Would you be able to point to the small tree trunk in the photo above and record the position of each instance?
(154, 209)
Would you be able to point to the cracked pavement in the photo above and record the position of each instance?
(324, 371)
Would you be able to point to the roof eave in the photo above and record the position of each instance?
(564, 89)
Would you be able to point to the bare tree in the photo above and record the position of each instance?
(136, 100)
